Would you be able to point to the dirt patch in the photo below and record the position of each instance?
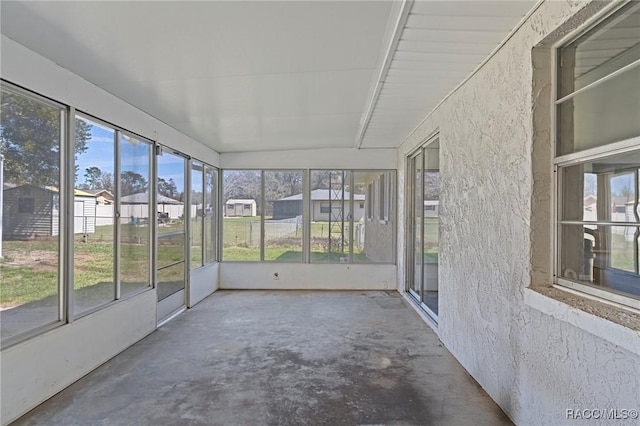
(40, 260)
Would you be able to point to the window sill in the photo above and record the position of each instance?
(619, 326)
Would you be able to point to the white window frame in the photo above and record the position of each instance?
(561, 161)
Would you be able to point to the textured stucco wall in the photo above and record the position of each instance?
(494, 240)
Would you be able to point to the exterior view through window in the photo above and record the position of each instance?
(29, 250)
(598, 160)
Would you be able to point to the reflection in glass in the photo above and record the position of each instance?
(603, 190)
(30, 139)
(601, 115)
(601, 255)
(607, 48)
(135, 234)
(93, 220)
(283, 215)
(417, 217)
(431, 226)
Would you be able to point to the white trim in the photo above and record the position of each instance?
(609, 149)
(605, 296)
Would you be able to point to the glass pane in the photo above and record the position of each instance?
(601, 190)
(170, 249)
(197, 213)
(170, 280)
(602, 256)
(135, 236)
(418, 207)
(30, 136)
(431, 226)
(170, 197)
(210, 204)
(330, 216)
(93, 219)
(241, 224)
(373, 237)
(171, 226)
(607, 113)
(610, 46)
(283, 215)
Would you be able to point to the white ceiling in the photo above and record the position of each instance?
(254, 76)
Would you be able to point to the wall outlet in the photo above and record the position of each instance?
(276, 276)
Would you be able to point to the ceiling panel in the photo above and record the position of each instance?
(236, 76)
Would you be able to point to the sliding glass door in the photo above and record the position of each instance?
(423, 225)
(171, 268)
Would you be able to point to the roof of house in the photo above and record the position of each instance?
(99, 191)
(76, 192)
(143, 198)
(323, 195)
(241, 201)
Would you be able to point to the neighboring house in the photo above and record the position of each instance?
(137, 206)
(431, 208)
(289, 207)
(240, 207)
(31, 211)
(103, 196)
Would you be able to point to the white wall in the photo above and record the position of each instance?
(203, 282)
(260, 276)
(38, 368)
(494, 243)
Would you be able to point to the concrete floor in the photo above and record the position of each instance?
(280, 358)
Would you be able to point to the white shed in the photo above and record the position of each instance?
(240, 207)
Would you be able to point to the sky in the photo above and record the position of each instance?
(100, 153)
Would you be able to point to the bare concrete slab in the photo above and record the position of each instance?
(280, 358)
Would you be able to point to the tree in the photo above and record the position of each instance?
(93, 177)
(243, 184)
(132, 183)
(169, 189)
(30, 135)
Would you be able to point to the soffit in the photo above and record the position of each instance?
(440, 45)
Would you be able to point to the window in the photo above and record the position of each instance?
(25, 205)
(598, 160)
(384, 197)
(341, 227)
(93, 223)
(283, 224)
(30, 138)
(197, 214)
(135, 216)
(210, 214)
(241, 228)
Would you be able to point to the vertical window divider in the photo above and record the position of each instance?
(153, 190)
(351, 214)
(186, 218)
(116, 214)
(306, 217)
(66, 193)
(262, 205)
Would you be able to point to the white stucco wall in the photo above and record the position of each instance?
(535, 365)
